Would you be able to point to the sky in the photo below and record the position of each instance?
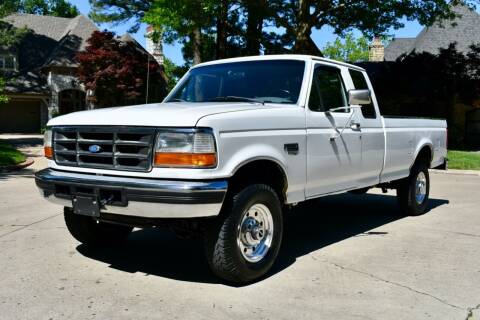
(173, 52)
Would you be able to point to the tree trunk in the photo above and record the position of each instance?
(197, 44)
(303, 41)
(221, 45)
(256, 14)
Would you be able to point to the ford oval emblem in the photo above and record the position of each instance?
(94, 148)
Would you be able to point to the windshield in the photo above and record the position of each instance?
(275, 81)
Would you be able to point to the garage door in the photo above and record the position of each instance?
(20, 117)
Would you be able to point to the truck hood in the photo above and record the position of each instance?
(155, 115)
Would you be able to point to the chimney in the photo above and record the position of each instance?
(377, 50)
(154, 48)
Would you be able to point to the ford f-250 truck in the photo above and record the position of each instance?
(232, 146)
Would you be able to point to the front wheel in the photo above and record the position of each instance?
(245, 240)
(413, 191)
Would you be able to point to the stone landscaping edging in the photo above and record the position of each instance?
(16, 167)
(457, 172)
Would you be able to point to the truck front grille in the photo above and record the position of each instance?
(115, 148)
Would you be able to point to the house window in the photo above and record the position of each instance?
(8, 62)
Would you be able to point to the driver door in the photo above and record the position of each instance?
(333, 160)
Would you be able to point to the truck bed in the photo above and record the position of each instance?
(405, 137)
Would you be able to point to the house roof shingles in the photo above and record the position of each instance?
(53, 41)
(464, 31)
(73, 41)
(398, 47)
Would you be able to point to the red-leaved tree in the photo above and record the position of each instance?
(116, 71)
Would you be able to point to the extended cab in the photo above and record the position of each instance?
(232, 146)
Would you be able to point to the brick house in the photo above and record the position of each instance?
(41, 73)
(464, 31)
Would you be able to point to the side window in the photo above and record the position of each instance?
(328, 91)
(360, 83)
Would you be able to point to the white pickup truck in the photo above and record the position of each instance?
(235, 144)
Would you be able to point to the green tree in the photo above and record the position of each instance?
(372, 18)
(176, 20)
(238, 27)
(173, 73)
(7, 7)
(10, 38)
(207, 29)
(183, 20)
(120, 12)
(348, 49)
(257, 14)
(3, 96)
(58, 8)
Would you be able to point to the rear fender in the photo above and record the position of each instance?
(424, 143)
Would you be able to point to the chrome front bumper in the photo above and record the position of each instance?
(144, 198)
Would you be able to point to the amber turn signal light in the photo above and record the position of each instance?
(48, 151)
(198, 160)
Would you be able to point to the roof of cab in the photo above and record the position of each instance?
(280, 57)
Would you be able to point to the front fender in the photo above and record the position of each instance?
(255, 152)
(237, 155)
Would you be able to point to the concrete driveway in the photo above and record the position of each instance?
(344, 257)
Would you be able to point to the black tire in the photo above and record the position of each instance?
(92, 233)
(406, 192)
(221, 247)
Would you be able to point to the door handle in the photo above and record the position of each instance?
(355, 125)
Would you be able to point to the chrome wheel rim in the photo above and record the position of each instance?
(420, 188)
(255, 233)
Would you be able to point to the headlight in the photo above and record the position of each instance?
(47, 144)
(186, 148)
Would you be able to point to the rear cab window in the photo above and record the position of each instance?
(360, 83)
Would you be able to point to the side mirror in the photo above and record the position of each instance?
(359, 97)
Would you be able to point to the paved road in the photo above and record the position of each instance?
(345, 257)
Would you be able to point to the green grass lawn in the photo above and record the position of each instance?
(463, 160)
(9, 155)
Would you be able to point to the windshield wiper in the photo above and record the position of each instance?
(235, 99)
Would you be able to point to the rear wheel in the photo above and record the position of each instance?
(413, 191)
(245, 240)
(92, 232)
